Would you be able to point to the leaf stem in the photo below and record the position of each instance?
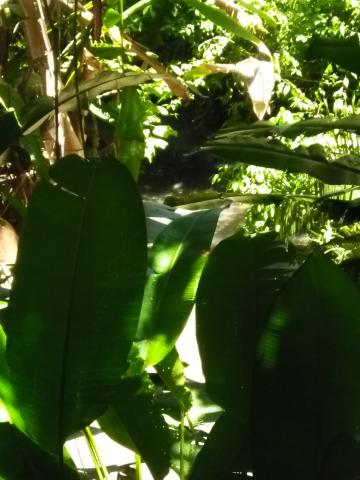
(138, 466)
(99, 466)
(182, 442)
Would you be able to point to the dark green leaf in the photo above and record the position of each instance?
(177, 259)
(226, 453)
(235, 295)
(259, 152)
(343, 52)
(315, 126)
(261, 128)
(76, 297)
(9, 130)
(136, 422)
(307, 387)
(21, 459)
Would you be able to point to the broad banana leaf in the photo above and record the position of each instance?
(307, 383)
(237, 289)
(254, 151)
(343, 52)
(75, 300)
(21, 459)
(176, 261)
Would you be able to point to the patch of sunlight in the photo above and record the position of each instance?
(165, 260)
(189, 352)
(4, 416)
(163, 220)
(6, 389)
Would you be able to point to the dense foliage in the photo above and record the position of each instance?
(266, 96)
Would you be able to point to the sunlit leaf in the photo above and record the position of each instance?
(220, 18)
(259, 152)
(39, 110)
(177, 259)
(111, 17)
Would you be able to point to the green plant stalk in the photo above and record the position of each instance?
(190, 423)
(76, 78)
(121, 27)
(99, 466)
(138, 474)
(182, 444)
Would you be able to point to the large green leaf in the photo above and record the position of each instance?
(177, 259)
(76, 297)
(137, 423)
(21, 459)
(259, 152)
(38, 111)
(315, 126)
(235, 295)
(343, 52)
(311, 127)
(307, 387)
